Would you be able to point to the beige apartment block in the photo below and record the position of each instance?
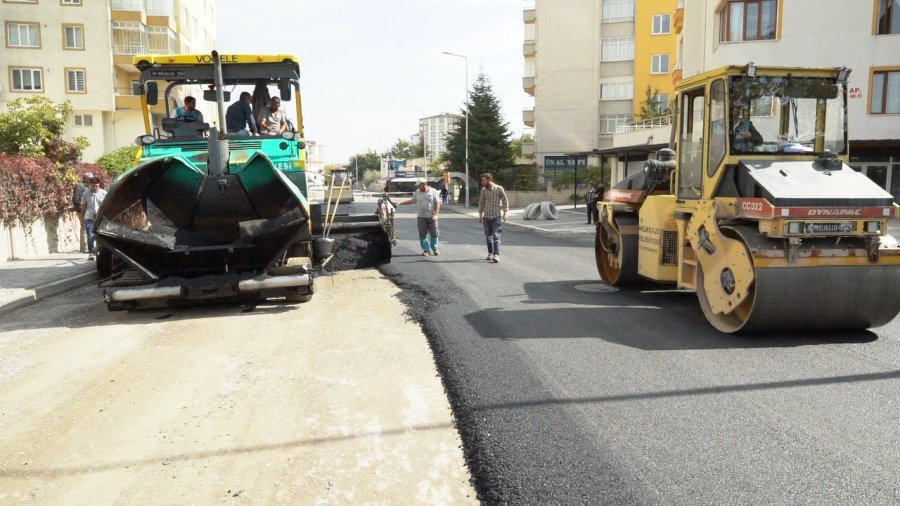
(81, 51)
(434, 130)
(580, 68)
(862, 35)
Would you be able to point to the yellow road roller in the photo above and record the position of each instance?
(756, 209)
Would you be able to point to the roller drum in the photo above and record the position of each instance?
(818, 298)
(616, 254)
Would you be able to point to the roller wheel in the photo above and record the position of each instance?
(731, 322)
(617, 255)
(306, 297)
(807, 298)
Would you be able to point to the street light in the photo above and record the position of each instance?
(424, 149)
(466, 58)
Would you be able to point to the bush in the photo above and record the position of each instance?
(116, 162)
(32, 188)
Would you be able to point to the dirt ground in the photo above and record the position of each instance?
(335, 401)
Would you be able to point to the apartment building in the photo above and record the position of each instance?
(588, 64)
(862, 35)
(81, 51)
(434, 129)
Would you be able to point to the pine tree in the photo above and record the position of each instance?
(489, 136)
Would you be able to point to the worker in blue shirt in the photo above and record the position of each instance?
(189, 113)
(239, 115)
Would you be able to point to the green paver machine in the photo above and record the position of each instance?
(210, 215)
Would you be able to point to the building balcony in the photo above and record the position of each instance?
(528, 84)
(126, 99)
(528, 149)
(676, 73)
(529, 16)
(127, 5)
(528, 117)
(678, 21)
(529, 48)
(161, 8)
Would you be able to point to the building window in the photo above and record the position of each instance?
(659, 64)
(748, 20)
(70, 2)
(160, 40)
(888, 17)
(660, 102)
(73, 37)
(609, 123)
(128, 37)
(83, 120)
(618, 10)
(886, 92)
(617, 91)
(23, 34)
(662, 24)
(617, 49)
(75, 81)
(26, 79)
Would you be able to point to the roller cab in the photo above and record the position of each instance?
(759, 213)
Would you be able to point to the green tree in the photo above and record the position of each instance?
(118, 161)
(650, 107)
(404, 150)
(34, 126)
(370, 176)
(489, 146)
(516, 144)
(367, 161)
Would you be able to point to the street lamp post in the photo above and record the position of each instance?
(424, 149)
(466, 58)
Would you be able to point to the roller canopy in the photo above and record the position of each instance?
(805, 184)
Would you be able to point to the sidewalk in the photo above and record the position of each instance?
(572, 221)
(24, 282)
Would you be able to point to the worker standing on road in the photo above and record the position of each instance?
(588, 198)
(492, 206)
(90, 204)
(79, 190)
(428, 207)
(599, 190)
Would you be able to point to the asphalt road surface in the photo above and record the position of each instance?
(569, 391)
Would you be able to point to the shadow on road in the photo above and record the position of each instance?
(74, 312)
(749, 387)
(646, 320)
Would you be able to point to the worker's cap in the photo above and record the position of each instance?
(88, 175)
(95, 180)
(420, 180)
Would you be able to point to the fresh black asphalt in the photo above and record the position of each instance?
(586, 395)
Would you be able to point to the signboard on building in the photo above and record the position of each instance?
(564, 163)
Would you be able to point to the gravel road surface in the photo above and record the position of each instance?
(336, 401)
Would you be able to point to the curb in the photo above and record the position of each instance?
(26, 297)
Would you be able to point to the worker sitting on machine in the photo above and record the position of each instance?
(189, 113)
(745, 135)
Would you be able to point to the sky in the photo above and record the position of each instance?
(369, 69)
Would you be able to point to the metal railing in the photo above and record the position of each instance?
(126, 5)
(645, 124)
(129, 49)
